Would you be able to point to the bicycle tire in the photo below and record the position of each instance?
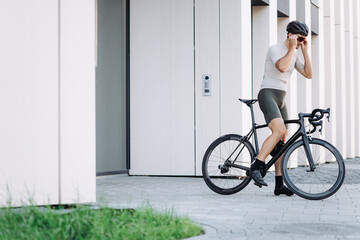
(321, 183)
(235, 179)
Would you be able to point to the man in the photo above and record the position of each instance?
(280, 62)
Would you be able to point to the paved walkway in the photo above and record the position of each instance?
(253, 213)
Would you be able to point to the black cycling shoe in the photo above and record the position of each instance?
(283, 190)
(256, 176)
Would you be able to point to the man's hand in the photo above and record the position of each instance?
(292, 40)
(304, 46)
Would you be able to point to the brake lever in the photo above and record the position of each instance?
(315, 125)
(321, 127)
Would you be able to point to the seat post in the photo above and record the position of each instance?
(252, 114)
(253, 127)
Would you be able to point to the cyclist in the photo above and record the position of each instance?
(280, 62)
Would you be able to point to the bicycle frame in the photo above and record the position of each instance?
(300, 133)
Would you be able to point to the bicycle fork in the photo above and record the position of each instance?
(308, 153)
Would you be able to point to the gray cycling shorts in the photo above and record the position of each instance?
(272, 104)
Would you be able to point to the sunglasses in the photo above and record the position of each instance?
(300, 39)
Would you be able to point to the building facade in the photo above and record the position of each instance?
(144, 86)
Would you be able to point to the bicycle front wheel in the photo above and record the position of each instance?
(321, 183)
(220, 177)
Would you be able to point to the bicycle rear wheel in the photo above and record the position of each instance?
(220, 177)
(321, 183)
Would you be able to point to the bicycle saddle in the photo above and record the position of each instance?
(248, 101)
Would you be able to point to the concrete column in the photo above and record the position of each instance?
(356, 24)
(330, 68)
(291, 95)
(235, 65)
(349, 78)
(246, 80)
(318, 81)
(340, 112)
(77, 114)
(304, 87)
(264, 35)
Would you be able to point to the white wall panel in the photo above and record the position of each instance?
(29, 101)
(291, 95)
(206, 62)
(162, 87)
(349, 78)
(304, 87)
(235, 65)
(330, 69)
(264, 35)
(340, 112)
(356, 23)
(77, 101)
(318, 81)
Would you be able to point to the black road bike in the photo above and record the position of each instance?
(311, 167)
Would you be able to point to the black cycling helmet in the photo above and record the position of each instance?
(296, 27)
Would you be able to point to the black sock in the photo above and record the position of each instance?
(257, 165)
(278, 181)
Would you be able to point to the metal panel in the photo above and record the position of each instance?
(206, 62)
(111, 87)
(314, 20)
(316, 2)
(162, 87)
(283, 8)
(260, 2)
(300, 11)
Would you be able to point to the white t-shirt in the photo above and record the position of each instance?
(273, 78)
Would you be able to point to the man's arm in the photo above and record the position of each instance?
(308, 73)
(283, 63)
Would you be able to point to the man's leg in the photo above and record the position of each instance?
(279, 131)
(279, 184)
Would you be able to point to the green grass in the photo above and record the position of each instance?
(85, 223)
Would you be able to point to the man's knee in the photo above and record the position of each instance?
(278, 128)
(281, 132)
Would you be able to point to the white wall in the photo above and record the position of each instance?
(29, 101)
(47, 93)
(218, 43)
(47, 151)
(77, 101)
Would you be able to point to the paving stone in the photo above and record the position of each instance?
(253, 213)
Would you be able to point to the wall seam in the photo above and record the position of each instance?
(219, 68)
(59, 104)
(194, 39)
